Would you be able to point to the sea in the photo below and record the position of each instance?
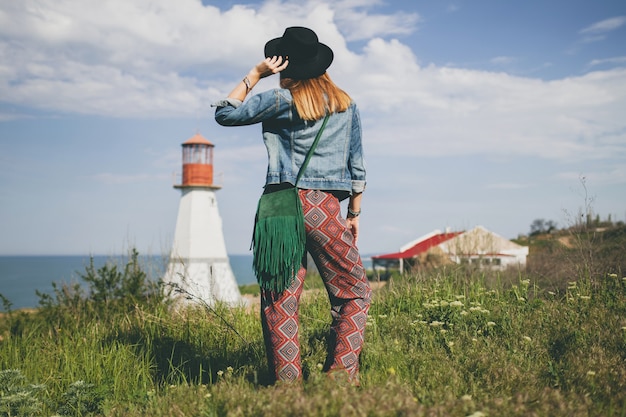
(21, 277)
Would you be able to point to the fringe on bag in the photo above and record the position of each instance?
(278, 244)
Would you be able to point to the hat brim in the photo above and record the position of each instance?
(311, 69)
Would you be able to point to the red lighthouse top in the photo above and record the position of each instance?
(197, 163)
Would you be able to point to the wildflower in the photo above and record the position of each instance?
(460, 297)
(382, 316)
(436, 323)
(491, 323)
(443, 304)
(475, 309)
(613, 275)
(474, 339)
(526, 338)
(551, 293)
(207, 395)
(466, 397)
(456, 304)
(450, 344)
(392, 370)
(591, 373)
(484, 311)
(521, 299)
(585, 297)
(442, 331)
(220, 373)
(229, 369)
(320, 366)
(525, 282)
(464, 313)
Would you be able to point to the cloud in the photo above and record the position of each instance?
(599, 31)
(502, 60)
(148, 59)
(611, 175)
(605, 25)
(358, 23)
(618, 60)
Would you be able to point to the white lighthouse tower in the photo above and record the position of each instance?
(199, 262)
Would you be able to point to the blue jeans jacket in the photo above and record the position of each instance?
(337, 163)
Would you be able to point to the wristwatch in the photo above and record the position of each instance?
(352, 213)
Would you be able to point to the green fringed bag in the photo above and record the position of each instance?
(279, 238)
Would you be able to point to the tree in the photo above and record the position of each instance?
(540, 226)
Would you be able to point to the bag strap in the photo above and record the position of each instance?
(310, 153)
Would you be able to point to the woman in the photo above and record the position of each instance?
(291, 117)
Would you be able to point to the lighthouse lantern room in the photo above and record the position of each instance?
(199, 265)
(198, 162)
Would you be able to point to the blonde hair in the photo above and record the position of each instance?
(316, 96)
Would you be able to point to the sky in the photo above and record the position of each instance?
(483, 112)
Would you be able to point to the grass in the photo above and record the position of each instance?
(450, 342)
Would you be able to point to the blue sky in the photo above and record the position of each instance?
(484, 112)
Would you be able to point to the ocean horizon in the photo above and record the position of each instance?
(21, 276)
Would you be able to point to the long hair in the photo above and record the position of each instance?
(316, 96)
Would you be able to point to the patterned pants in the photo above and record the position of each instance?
(336, 256)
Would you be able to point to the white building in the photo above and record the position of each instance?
(478, 246)
(199, 266)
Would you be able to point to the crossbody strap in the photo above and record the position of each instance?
(310, 153)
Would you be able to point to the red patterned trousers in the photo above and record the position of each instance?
(336, 256)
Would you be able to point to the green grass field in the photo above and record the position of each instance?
(449, 342)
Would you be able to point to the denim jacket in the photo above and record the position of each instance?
(337, 162)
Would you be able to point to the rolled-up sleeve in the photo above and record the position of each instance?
(257, 108)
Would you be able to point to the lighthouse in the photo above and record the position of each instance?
(199, 263)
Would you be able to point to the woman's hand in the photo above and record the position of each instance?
(353, 225)
(270, 66)
(263, 69)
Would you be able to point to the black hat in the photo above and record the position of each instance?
(308, 58)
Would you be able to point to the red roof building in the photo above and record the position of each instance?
(477, 246)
